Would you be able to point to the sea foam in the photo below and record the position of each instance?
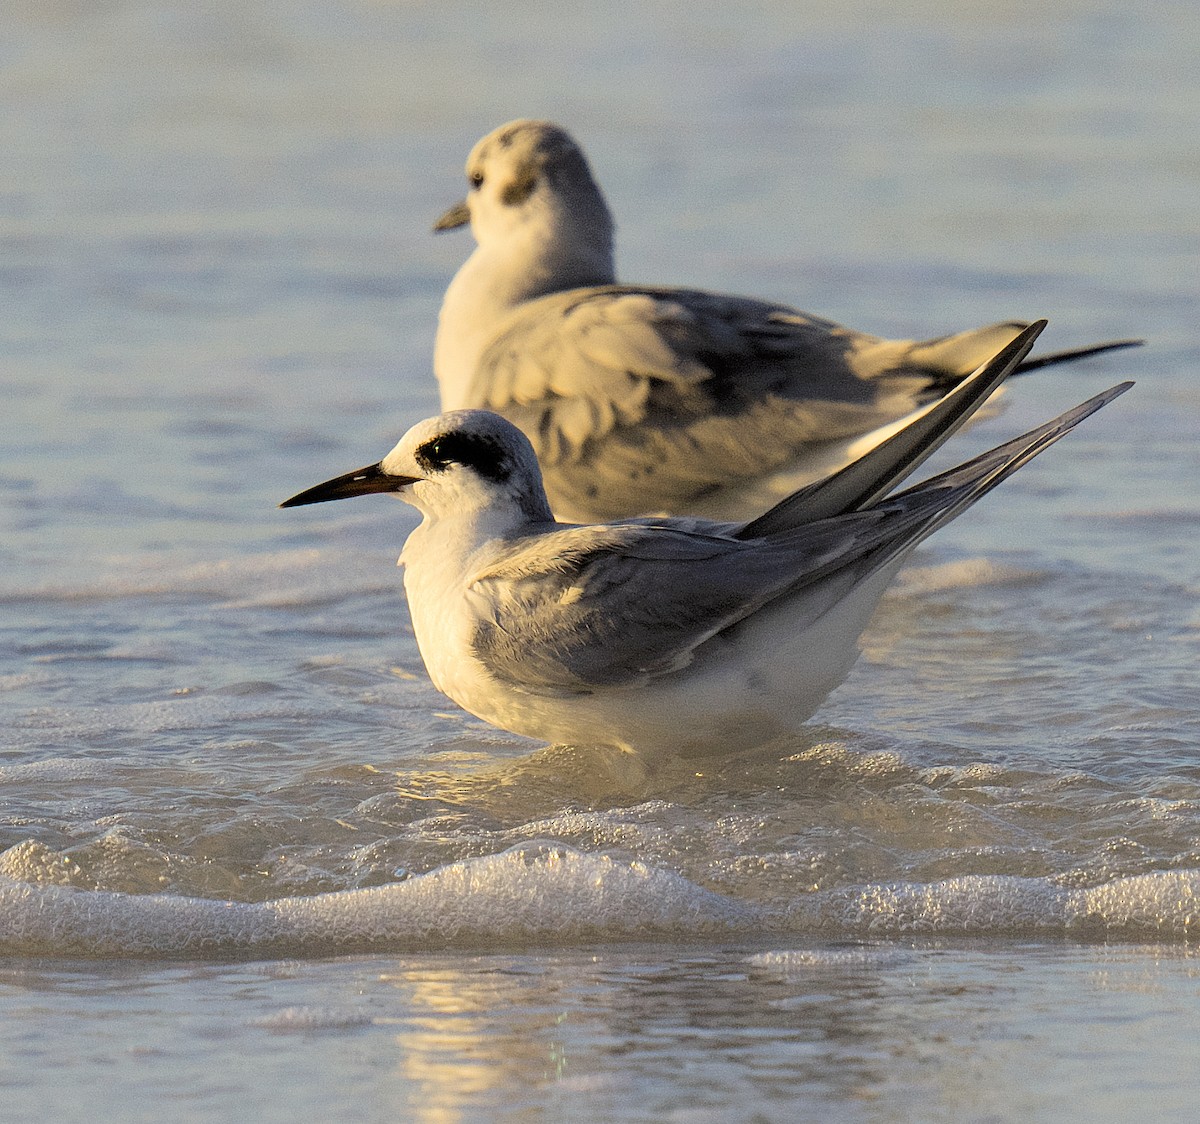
(551, 894)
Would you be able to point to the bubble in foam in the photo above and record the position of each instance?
(1166, 902)
(54, 770)
(291, 1020)
(31, 861)
(854, 958)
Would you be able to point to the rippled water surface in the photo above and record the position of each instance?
(251, 863)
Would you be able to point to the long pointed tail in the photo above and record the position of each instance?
(950, 493)
(858, 543)
(883, 467)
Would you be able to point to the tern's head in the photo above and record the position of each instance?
(464, 462)
(531, 177)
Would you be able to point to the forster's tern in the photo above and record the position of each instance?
(661, 400)
(662, 634)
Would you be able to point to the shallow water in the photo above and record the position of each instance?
(675, 1032)
(243, 842)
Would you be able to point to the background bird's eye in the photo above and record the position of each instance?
(476, 179)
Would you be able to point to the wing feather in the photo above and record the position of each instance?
(611, 605)
(621, 604)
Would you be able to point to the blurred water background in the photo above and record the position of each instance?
(252, 864)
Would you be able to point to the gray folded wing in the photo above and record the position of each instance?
(589, 607)
(581, 608)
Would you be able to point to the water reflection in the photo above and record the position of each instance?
(860, 1030)
(562, 1027)
(874, 1031)
(473, 1032)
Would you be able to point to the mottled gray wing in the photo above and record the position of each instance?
(611, 383)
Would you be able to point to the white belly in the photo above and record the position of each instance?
(766, 680)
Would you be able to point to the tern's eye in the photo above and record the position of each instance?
(476, 179)
(483, 454)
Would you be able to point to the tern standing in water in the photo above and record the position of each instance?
(663, 634)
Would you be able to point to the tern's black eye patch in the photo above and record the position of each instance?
(486, 455)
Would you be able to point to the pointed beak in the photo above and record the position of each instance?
(360, 483)
(458, 215)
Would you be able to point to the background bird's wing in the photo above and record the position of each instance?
(611, 383)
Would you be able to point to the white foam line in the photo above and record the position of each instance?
(1159, 903)
(541, 893)
(551, 894)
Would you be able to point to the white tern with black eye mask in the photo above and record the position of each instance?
(666, 634)
(641, 399)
